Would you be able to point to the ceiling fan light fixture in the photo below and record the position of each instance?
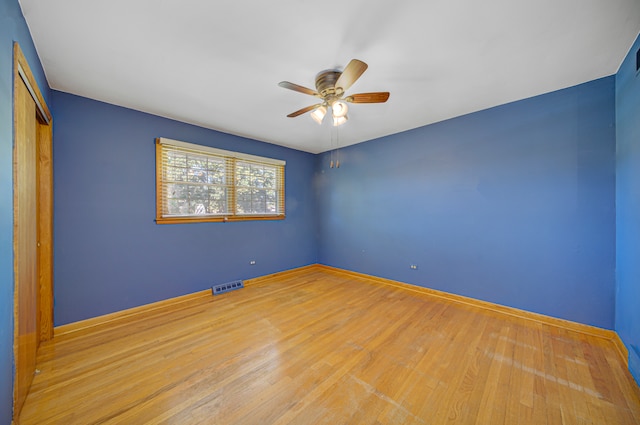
(339, 120)
(339, 109)
(318, 114)
(331, 85)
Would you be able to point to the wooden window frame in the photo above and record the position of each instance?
(231, 158)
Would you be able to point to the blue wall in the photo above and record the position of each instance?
(109, 253)
(512, 205)
(12, 28)
(628, 208)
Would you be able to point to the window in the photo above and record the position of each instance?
(197, 183)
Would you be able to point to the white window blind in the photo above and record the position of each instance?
(197, 183)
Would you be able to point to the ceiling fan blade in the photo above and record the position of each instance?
(375, 97)
(304, 110)
(295, 87)
(351, 73)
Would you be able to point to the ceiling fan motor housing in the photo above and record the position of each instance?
(325, 83)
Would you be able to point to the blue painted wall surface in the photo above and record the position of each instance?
(513, 205)
(628, 207)
(109, 253)
(12, 28)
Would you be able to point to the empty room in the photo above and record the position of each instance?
(319, 213)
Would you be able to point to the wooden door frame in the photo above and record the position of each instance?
(44, 201)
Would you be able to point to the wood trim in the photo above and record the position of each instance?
(25, 233)
(621, 348)
(32, 131)
(134, 312)
(129, 314)
(278, 275)
(45, 229)
(497, 308)
(20, 59)
(217, 219)
(158, 180)
(44, 145)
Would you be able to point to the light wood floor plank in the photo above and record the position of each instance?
(317, 347)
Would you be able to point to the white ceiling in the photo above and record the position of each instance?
(217, 64)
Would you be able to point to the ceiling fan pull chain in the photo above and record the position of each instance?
(337, 147)
(331, 148)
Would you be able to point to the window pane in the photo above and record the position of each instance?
(270, 178)
(199, 184)
(197, 192)
(217, 200)
(177, 206)
(196, 161)
(197, 207)
(258, 201)
(243, 201)
(176, 174)
(176, 159)
(216, 173)
(177, 191)
(256, 188)
(257, 176)
(217, 207)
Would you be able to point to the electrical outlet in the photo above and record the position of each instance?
(252, 262)
(414, 267)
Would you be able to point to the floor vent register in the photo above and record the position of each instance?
(226, 287)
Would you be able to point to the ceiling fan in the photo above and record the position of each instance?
(331, 86)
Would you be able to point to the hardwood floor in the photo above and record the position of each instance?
(320, 347)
